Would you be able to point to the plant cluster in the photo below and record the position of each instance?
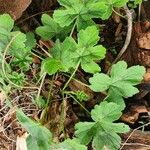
(15, 52)
(67, 55)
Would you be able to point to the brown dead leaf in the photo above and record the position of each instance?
(132, 115)
(146, 24)
(142, 31)
(144, 41)
(14, 7)
(144, 57)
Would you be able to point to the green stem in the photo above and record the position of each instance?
(40, 88)
(45, 111)
(80, 104)
(72, 29)
(69, 92)
(71, 76)
(63, 99)
(39, 53)
(117, 13)
(49, 92)
(37, 56)
(84, 84)
(106, 97)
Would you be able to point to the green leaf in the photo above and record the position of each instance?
(51, 29)
(21, 51)
(115, 3)
(71, 53)
(81, 96)
(68, 4)
(85, 131)
(64, 17)
(83, 22)
(39, 136)
(106, 112)
(81, 12)
(132, 75)
(110, 4)
(136, 2)
(17, 47)
(124, 89)
(100, 82)
(114, 97)
(119, 3)
(121, 80)
(63, 53)
(19, 44)
(30, 40)
(32, 143)
(102, 132)
(51, 66)
(17, 78)
(115, 127)
(90, 67)
(88, 37)
(19, 41)
(100, 9)
(41, 102)
(69, 144)
(6, 22)
(105, 140)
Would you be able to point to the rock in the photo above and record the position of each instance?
(14, 7)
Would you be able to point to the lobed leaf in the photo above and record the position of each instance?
(70, 53)
(100, 82)
(69, 144)
(82, 12)
(106, 112)
(121, 81)
(6, 22)
(51, 29)
(106, 140)
(51, 66)
(19, 44)
(102, 132)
